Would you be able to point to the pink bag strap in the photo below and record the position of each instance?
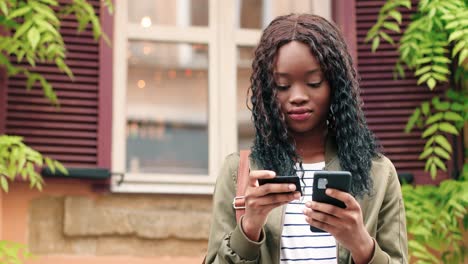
(242, 177)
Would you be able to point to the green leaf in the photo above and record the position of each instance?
(50, 2)
(375, 43)
(442, 153)
(452, 116)
(30, 81)
(430, 130)
(19, 12)
(452, 25)
(449, 128)
(439, 77)
(429, 142)
(400, 70)
(440, 163)
(60, 167)
(440, 69)
(392, 26)
(424, 78)
(425, 108)
(459, 46)
(462, 56)
(4, 183)
(412, 120)
(442, 106)
(455, 35)
(4, 8)
(33, 37)
(396, 15)
(47, 26)
(457, 107)
(426, 153)
(423, 70)
(441, 59)
(62, 66)
(423, 60)
(22, 29)
(433, 170)
(434, 118)
(50, 164)
(431, 83)
(387, 37)
(443, 142)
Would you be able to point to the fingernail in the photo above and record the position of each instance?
(308, 204)
(328, 191)
(297, 195)
(292, 187)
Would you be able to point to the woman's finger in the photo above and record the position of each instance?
(260, 174)
(326, 208)
(271, 199)
(276, 188)
(345, 197)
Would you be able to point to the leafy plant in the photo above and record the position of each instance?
(434, 47)
(439, 118)
(13, 253)
(17, 159)
(34, 36)
(32, 30)
(436, 221)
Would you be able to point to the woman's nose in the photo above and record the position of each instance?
(298, 94)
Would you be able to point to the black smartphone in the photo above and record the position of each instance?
(283, 179)
(340, 180)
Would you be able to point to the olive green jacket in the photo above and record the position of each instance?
(383, 214)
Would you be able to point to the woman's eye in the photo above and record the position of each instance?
(314, 85)
(282, 87)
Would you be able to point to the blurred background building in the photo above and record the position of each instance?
(160, 109)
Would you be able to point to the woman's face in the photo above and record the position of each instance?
(302, 91)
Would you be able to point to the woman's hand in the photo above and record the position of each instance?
(260, 200)
(346, 225)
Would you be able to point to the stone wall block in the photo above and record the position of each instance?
(171, 224)
(83, 218)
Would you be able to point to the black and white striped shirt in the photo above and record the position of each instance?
(298, 244)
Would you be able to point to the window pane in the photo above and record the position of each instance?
(167, 101)
(245, 128)
(257, 14)
(180, 13)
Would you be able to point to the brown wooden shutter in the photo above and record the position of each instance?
(388, 102)
(71, 133)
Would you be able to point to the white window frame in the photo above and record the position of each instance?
(222, 37)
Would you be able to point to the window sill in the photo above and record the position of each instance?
(173, 184)
(79, 173)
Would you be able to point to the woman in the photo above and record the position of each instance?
(307, 116)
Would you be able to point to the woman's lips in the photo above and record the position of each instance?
(300, 116)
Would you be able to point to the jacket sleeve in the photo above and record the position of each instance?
(391, 241)
(227, 242)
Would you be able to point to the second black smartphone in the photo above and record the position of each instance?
(340, 180)
(283, 179)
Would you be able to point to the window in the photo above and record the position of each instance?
(178, 66)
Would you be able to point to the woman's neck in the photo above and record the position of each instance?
(311, 146)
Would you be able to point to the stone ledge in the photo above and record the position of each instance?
(141, 225)
(113, 219)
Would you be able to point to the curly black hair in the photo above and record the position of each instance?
(273, 148)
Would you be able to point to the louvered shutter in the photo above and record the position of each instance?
(388, 102)
(69, 133)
